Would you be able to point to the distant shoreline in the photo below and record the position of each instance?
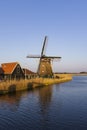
(79, 74)
(73, 74)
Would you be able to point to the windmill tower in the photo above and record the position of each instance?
(44, 67)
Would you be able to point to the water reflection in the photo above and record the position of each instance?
(45, 95)
(11, 101)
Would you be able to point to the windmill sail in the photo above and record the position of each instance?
(44, 46)
(42, 54)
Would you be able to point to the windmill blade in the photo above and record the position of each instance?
(52, 57)
(39, 66)
(42, 53)
(33, 56)
(44, 46)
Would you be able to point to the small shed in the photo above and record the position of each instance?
(12, 70)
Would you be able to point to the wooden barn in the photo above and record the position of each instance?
(12, 71)
(1, 74)
(29, 74)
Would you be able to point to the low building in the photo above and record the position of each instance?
(12, 70)
(29, 74)
(1, 74)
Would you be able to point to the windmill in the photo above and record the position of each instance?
(45, 66)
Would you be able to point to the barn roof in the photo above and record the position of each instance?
(8, 68)
(27, 71)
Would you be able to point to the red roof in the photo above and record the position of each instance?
(8, 68)
(26, 71)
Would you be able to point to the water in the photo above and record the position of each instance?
(57, 107)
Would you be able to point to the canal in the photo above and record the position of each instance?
(57, 107)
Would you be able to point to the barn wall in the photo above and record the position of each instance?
(18, 73)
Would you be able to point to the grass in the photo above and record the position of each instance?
(19, 85)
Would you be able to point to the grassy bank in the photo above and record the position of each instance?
(14, 85)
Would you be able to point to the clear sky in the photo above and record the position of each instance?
(24, 23)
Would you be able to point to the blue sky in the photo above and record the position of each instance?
(24, 23)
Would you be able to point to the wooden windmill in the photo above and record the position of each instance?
(44, 67)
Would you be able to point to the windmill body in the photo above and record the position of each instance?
(44, 67)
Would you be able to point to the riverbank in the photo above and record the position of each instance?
(14, 85)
